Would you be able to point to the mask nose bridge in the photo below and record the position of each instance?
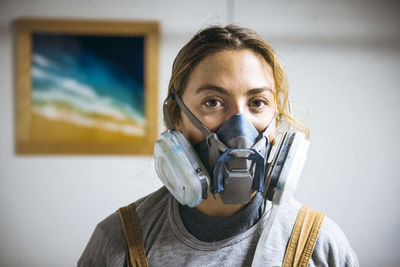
(229, 116)
(238, 128)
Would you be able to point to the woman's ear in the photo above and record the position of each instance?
(178, 126)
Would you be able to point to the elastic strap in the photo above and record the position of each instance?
(167, 119)
(136, 255)
(303, 238)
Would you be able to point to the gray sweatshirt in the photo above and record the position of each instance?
(168, 243)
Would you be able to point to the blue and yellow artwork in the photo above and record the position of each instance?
(87, 87)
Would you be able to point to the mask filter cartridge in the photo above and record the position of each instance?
(179, 169)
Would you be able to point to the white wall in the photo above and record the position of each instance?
(343, 61)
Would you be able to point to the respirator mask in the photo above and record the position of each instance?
(238, 169)
(232, 161)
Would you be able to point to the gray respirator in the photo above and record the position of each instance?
(230, 161)
(239, 169)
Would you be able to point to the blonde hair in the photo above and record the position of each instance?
(215, 39)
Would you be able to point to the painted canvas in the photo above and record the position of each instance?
(88, 90)
(81, 83)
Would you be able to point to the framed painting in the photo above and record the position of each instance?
(86, 86)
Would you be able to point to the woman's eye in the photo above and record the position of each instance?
(212, 103)
(258, 103)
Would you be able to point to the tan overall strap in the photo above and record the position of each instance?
(303, 237)
(136, 255)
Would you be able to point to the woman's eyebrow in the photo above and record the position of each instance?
(253, 91)
(212, 88)
(256, 91)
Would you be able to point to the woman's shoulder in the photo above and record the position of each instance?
(145, 207)
(152, 212)
(107, 243)
(152, 204)
(332, 247)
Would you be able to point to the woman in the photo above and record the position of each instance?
(226, 94)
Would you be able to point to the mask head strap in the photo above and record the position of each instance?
(265, 141)
(167, 119)
(210, 136)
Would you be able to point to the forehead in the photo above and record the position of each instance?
(235, 69)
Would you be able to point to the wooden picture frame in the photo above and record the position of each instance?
(86, 86)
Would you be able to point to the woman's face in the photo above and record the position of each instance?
(224, 84)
